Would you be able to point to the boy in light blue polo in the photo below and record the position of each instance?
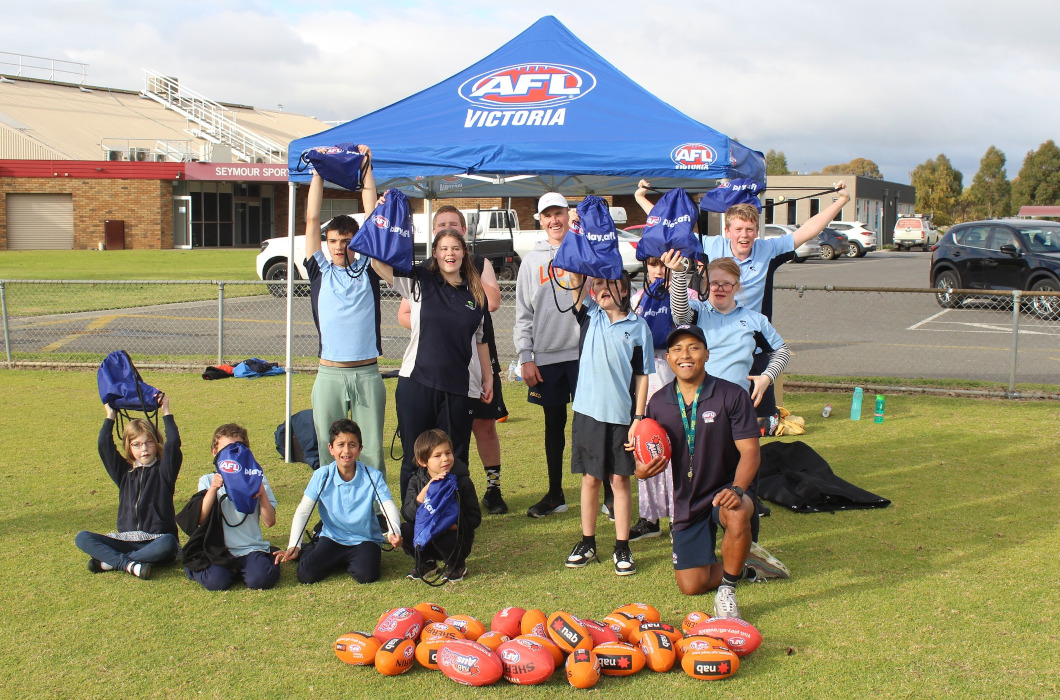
(616, 352)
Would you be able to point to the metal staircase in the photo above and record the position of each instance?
(210, 121)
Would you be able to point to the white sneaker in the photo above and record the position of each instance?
(765, 564)
(725, 603)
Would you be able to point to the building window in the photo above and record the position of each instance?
(769, 211)
(815, 207)
(792, 213)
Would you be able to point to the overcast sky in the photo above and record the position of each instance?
(824, 82)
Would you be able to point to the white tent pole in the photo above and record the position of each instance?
(292, 197)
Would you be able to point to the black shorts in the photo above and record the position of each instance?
(694, 545)
(597, 449)
(495, 409)
(558, 382)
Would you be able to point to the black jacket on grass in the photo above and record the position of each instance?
(145, 494)
(206, 540)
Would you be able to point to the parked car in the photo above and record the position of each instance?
(832, 243)
(999, 254)
(912, 231)
(809, 249)
(862, 240)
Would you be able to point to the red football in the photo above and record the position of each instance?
(526, 662)
(507, 621)
(738, 635)
(600, 632)
(568, 632)
(395, 657)
(650, 441)
(710, 664)
(546, 641)
(619, 659)
(469, 663)
(583, 669)
(399, 623)
(659, 652)
(357, 648)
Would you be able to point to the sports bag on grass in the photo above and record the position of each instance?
(669, 226)
(242, 475)
(590, 248)
(386, 235)
(122, 388)
(340, 164)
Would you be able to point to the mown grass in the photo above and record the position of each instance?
(950, 591)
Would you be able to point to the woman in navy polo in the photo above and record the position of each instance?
(446, 365)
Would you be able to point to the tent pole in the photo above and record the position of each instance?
(292, 202)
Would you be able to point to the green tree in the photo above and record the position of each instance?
(1038, 181)
(859, 166)
(990, 194)
(776, 163)
(938, 189)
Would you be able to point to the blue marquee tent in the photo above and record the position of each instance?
(543, 112)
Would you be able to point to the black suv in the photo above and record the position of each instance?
(1000, 254)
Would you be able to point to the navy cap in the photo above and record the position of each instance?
(687, 329)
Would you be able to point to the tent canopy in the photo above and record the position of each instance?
(543, 112)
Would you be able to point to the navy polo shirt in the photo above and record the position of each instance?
(724, 414)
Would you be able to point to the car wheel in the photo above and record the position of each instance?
(947, 280)
(277, 272)
(827, 252)
(508, 273)
(1047, 308)
(854, 250)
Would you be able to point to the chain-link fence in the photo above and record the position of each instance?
(1002, 337)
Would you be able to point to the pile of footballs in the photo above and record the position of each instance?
(527, 647)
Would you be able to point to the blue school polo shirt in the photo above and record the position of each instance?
(732, 339)
(756, 272)
(611, 353)
(345, 311)
(345, 507)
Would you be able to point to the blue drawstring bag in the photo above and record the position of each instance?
(740, 191)
(386, 235)
(340, 164)
(669, 227)
(242, 475)
(654, 308)
(590, 248)
(438, 512)
(122, 388)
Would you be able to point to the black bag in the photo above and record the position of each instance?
(303, 439)
(793, 475)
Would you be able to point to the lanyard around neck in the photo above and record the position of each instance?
(689, 421)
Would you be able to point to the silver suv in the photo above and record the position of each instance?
(862, 240)
(809, 249)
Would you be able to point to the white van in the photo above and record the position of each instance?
(911, 231)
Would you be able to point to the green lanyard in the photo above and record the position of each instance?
(689, 421)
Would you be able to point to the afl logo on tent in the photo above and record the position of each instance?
(228, 466)
(693, 156)
(528, 85)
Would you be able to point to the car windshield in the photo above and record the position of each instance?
(1042, 239)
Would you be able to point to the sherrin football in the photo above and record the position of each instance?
(395, 657)
(427, 652)
(440, 629)
(568, 632)
(641, 611)
(692, 619)
(622, 624)
(531, 620)
(357, 648)
(546, 641)
(399, 623)
(507, 620)
(492, 640)
(599, 631)
(583, 669)
(698, 641)
(619, 659)
(526, 661)
(659, 651)
(660, 627)
(431, 612)
(738, 635)
(650, 441)
(470, 626)
(469, 663)
(711, 664)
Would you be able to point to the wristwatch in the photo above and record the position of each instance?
(639, 416)
(737, 490)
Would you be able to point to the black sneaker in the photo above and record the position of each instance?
(455, 573)
(644, 529)
(427, 568)
(95, 566)
(581, 555)
(139, 569)
(624, 565)
(492, 501)
(547, 506)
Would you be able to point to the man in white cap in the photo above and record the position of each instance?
(546, 340)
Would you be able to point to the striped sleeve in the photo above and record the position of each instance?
(679, 297)
(777, 362)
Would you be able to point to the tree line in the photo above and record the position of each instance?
(940, 190)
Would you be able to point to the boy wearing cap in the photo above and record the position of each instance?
(712, 428)
(546, 340)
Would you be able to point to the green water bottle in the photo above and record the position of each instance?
(877, 416)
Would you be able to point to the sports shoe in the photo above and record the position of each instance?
(547, 506)
(608, 509)
(426, 569)
(492, 501)
(644, 529)
(139, 569)
(765, 565)
(455, 573)
(95, 566)
(725, 603)
(624, 565)
(581, 555)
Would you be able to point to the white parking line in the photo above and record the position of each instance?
(926, 320)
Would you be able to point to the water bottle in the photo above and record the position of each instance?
(855, 404)
(827, 411)
(877, 416)
(513, 372)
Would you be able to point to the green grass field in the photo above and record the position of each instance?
(205, 264)
(949, 592)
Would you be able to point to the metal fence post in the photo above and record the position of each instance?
(7, 338)
(1016, 303)
(220, 323)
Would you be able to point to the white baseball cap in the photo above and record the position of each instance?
(551, 199)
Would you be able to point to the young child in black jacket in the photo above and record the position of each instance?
(449, 549)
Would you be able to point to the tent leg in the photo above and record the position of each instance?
(292, 200)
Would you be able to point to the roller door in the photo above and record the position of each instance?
(40, 222)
